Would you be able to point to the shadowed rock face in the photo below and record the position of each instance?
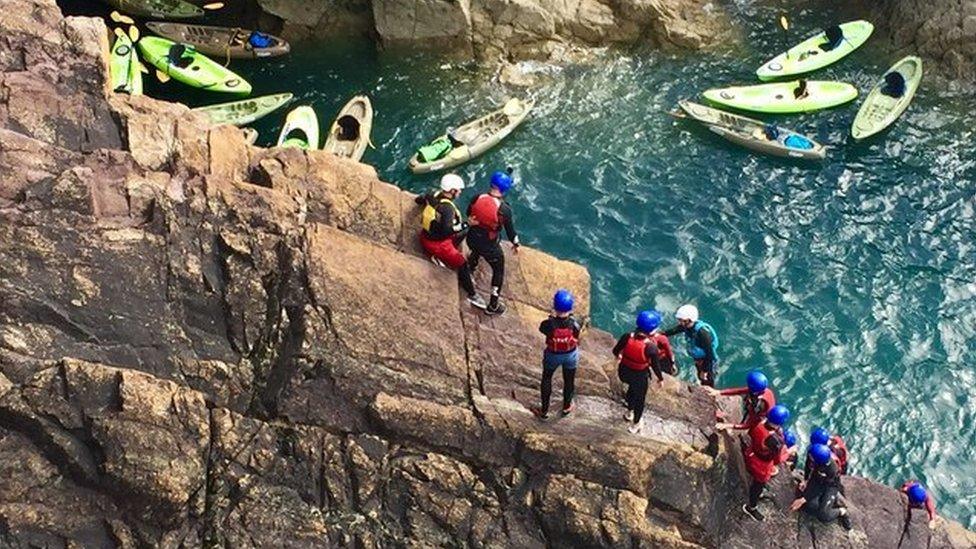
(941, 31)
(205, 343)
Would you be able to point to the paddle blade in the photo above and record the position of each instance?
(370, 143)
(162, 76)
(119, 18)
(213, 6)
(784, 22)
(134, 34)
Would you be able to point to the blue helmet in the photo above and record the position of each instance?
(790, 438)
(820, 454)
(757, 381)
(916, 494)
(819, 436)
(779, 415)
(562, 302)
(648, 321)
(502, 181)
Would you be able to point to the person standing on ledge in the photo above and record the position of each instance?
(487, 214)
(638, 354)
(701, 341)
(562, 333)
(442, 228)
(757, 400)
(819, 496)
(918, 498)
(764, 453)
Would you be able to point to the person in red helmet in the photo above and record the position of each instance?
(442, 228)
(757, 400)
(764, 453)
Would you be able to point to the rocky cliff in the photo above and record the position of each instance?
(206, 343)
(941, 31)
(490, 30)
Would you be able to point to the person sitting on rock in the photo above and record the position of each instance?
(487, 214)
(638, 355)
(442, 228)
(562, 333)
(918, 498)
(837, 447)
(757, 400)
(820, 496)
(762, 455)
(701, 341)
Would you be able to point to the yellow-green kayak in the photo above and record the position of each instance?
(818, 51)
(889, 98)
(124, 68)
(191, 67)
(783, 97)
(301, 129)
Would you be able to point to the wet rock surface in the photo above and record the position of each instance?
(204, 343)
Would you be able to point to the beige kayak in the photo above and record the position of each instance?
(222, 41)
(349, 134)
(472, 139)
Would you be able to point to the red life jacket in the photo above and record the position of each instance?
(484, 211)
(664, 352)
(632, 355)
(562, 340)
(760, 460)
(839, 448)
(756, 407)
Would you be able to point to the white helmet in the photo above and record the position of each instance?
(452, 182)
(687, 312)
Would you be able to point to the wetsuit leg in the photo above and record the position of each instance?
(569, 386)
(640, 393)
(624, 375)
(547, 387)
(755, 491)
(827, 511)
(465, 280)
(706, 373)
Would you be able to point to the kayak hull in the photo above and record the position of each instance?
(361, 109)
(158, 9)
(749, 133)
(479, 136)
(125, 74)
(219, 41)
(778, 98)
(201, 72)
(808, 56)
(301, 129)
(245, 111)
(879, 110)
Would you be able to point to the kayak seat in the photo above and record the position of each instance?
(834, 37)
(894, 85)
(798, 142)
(175, 56)
(259, 40)
(771, 132)
(348, 128)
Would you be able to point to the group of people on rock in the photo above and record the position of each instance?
(643, 351)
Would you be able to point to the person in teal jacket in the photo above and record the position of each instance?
(701, 341)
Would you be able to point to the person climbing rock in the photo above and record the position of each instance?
(918, 498)
(638, 355)
(442, 229)
(562, 333)
(789, 437)
(487, 214)
(763, 454)
(820, 496)
(757, 400)
(837, 448)
(701, 341)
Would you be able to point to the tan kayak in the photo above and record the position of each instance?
(349, 134)
(470, 140)
(222, 41)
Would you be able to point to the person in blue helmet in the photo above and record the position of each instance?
(789, 437)
(701, 340)
(562, 333)
(821, 495)
(764, 452)
(757, 400)
(487, 214)
(918, 498)
(638, 354)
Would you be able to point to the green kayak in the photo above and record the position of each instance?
(191, 67)
(783, 97)
(818, 51)
(301, 129)
(124, 69)
(889, 98)
(158, 9)
(245, 111)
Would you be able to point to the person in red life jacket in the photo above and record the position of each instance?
(820, 496)
(757, 400)
(562, 333)
(665, 354)
(442, 229)
(764, 453)
(701, 341)
(487, 214)
(918, 498)
(638, 356)
(837, 448)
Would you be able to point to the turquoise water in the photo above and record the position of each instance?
(850, 282)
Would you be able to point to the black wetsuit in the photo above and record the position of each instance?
(637, 380)
(821, 491)
(483, 244)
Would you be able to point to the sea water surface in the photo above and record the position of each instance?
(850, 282)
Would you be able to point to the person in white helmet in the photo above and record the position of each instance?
(701, 341)
(443, 228)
